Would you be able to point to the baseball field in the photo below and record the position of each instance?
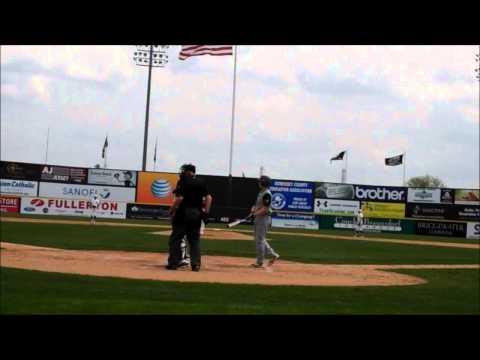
(55, 265)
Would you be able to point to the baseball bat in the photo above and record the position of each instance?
(235, 223)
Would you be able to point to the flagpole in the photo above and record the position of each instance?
(233, 111)
(346, 164)
(46, 150)
(106, 149)
(147, 111)
(342, 170)
(155, 155)
(404, 161)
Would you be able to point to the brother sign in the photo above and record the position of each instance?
(380, 193)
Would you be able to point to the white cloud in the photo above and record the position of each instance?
(39, 86)
(373, 100)
(86, 62)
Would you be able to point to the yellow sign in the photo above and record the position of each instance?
(383, 210)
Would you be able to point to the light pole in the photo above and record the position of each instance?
(46, 149)
(151, 56)
(477, 70)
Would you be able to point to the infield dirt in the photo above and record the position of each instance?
(215, 269)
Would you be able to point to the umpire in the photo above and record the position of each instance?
(187, 213)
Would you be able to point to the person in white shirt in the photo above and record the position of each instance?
(359, 223)
(95, 205)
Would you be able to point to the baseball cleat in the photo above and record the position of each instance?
(195, 268)
(272, 260)
(257, 266)
(170, 267)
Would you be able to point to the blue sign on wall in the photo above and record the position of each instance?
(292, 195)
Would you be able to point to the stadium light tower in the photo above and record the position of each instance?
(151, 56)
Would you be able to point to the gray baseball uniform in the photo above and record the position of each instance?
(359, 222)
(260, 227)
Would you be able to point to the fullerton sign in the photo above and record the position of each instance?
(79, 204)
(72, 207)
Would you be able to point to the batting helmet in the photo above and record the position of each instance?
(265, 181)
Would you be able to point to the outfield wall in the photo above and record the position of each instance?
(296, 203)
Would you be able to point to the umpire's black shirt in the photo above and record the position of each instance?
(193, 190)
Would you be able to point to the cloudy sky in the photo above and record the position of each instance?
(296, 107)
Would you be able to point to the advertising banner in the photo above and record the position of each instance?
(467, 197)
(334, 191)
(439, 228)
(63, 174)
(423, 195)
(72, 207)
(156, 188)
(18, 187)
(443, 212)
(9, 204)
(383, 210)
(428, 211)
(72, 191)
(139, 211)
(294, 221)
(473, 230)
(336, 207)
(464, 212)
(125, 178)
(370, 225)
(292, 195)
(447, 196)
(380, 193)
(19, 171)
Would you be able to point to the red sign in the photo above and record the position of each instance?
(72, 204)
(9, 204)
(72, 207)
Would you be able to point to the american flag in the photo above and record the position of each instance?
(196, 50)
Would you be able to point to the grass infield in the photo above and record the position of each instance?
(303, 249)
(33, 292)
(248, 228)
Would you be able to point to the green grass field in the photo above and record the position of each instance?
(33, 292)
(248, 228)
(27, 292)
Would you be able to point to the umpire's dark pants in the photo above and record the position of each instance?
(190, 226)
